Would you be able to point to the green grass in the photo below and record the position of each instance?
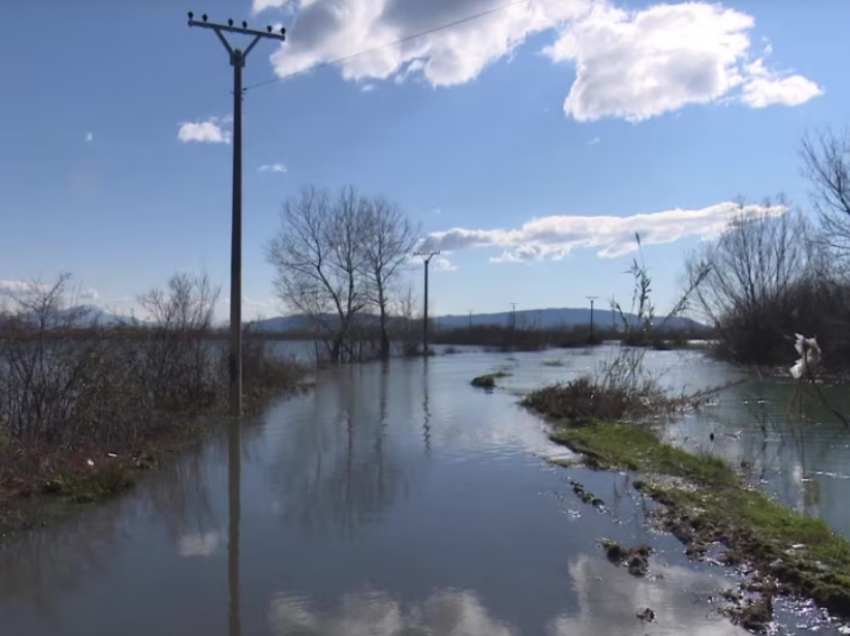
(715, 505)
(612, 445)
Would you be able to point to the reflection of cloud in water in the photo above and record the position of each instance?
(198, 545)
(447, 613)
(610, 598)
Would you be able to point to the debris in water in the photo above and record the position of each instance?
(646, 615)
(635, 559)
(586, 496)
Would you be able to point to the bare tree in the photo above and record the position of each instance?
(391, 239)
(826, 162)
(319, 258)
(745, 284)
(407, 322)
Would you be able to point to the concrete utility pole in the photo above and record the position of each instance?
(426, 258)
(237, 61)
(591, 299)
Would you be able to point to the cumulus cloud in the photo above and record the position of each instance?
(215, 130)
(554, 237)
(640, 64)
(441, 264)
(630, 64)
(22, 287)
(273, 167)
(89, 294)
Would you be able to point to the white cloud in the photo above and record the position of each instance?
(368, 88)
(273, 167)
(89, 137)
(441, 264)
(594, 141)
(554, 237)
(214, 130)
(640, 64)
(22, 287)
(766, 88)
(88, 294)
(262, 5)
(629, 64)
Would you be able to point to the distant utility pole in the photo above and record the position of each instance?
(591, 299)
(426, 258)
(513, 315)
(237, 61)
(470, 318)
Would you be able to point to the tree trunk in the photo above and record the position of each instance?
(385, 339)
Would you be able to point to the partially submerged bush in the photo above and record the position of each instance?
(586, 398)
(113, 389)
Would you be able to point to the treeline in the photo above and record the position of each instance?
(771, 275)
(530, 338)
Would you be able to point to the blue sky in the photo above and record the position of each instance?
(532, 136)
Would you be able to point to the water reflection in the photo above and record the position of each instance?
(334, 468)
(234, 499)
(426, 409)
(378, 614)
(609, 600)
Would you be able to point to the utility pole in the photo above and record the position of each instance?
(513, 315)
(237, 61)
(470, 318)
(426, 258)
(591, 299)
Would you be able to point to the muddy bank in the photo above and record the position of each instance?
(715, 515)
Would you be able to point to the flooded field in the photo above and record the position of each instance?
(398, 500)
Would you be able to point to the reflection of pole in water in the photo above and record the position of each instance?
(426, 422)
(234, 479)
(379, 441)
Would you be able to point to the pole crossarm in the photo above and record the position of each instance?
(229, 28)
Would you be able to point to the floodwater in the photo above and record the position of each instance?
(398, 500)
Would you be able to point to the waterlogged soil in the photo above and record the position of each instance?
(721, 520)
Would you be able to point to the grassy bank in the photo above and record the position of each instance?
(82, 418)
(709, 504)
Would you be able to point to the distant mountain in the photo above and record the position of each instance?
(540, 318)
(88, 315)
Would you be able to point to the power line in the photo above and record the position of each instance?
(388, 44)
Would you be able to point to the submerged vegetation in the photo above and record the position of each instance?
(79, 418)
(488, 381)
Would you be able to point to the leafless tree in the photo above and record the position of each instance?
(391, 239)
(319, 258)
(744, 284)
(407, 320)
(826, 163)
